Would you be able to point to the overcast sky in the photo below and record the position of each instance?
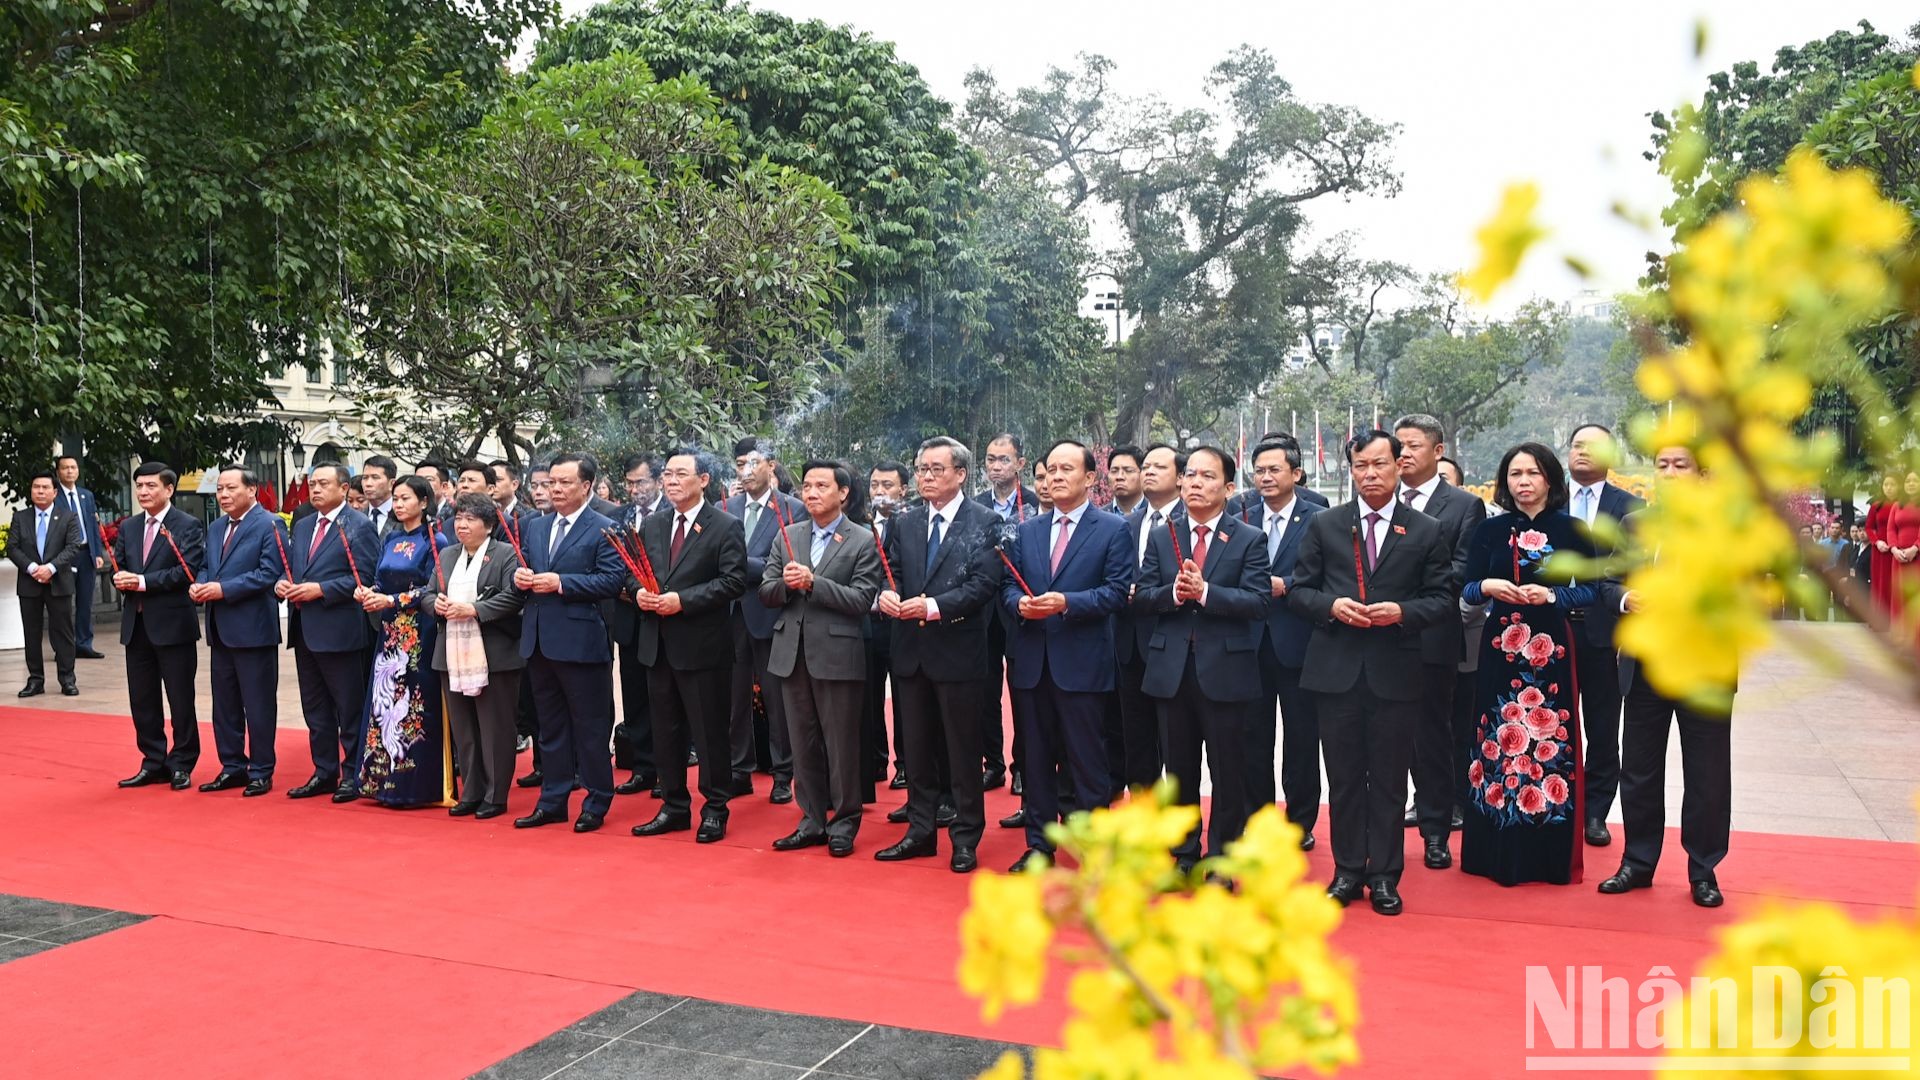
(1485, 92)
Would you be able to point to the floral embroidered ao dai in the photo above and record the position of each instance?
(406, 761)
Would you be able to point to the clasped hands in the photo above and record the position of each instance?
(1354, 613)
(895, 608)
(299, 594)
(797, 577)
(1508, 593)
(658, 603)
(528, 581)
(126, 582)
(1188, 584)
(1042, 606)
(203, 591)
(371, 600)
(452, 609)
(41, 574)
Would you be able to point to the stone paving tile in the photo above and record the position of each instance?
(624, 1060)
(24, 916)
(750, 1034)
(890, 1053)
(627, 1014)
(550, 1055)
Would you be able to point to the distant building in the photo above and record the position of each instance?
(1593, 304)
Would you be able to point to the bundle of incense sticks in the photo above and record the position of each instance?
(885, 564)
(1010, 569)
(782, 520)
(351, 564)
(282, 545)
(164, 531)
(641, 573)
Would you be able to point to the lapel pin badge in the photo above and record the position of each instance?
(1400, 530)
(697, 527)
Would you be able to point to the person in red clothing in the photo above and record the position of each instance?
(1903, 543)
(1879, 564)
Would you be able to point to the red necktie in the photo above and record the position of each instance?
(679, 538)
(319, 533)
(227, 540)
(1200, 547)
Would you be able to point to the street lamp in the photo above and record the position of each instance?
(299, 450)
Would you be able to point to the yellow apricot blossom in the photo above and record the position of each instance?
(1504, 241)
(1004, 937)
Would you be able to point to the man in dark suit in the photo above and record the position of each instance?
(1161, 467)
(1706, 761)
(947, 575)
(1282, 517)
(1439, 748)
(1366, 639)
(80, 502)
(328, 631)
(1006, 462)
(48, 545)
(1205, 582)
(1591, 450)
(571, 569)
(821, 600)
(244, 558)
(1060, 655)
(887, 492)
(1248, 498)
(159, 628)
(440, 475)
(633, 735)
(764, 511)
(377, 475)
(698, 555)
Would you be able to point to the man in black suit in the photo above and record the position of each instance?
(1366, 639)
(947, 574)
(633, 735)
(160, 627)
(887, 494)
(81, 503)
(698, 554)
(1282, 517)
(1590, 451)
(1706, 765)
(1439, 748)
(1205, 582)
(47, 544)
(1141, 739)
(1006, 463)
(1250, 497)
(377, 475)
(764, 512)
(571, 569)
(440, 475)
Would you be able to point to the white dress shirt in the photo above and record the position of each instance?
(1422, 492)
(945, 515)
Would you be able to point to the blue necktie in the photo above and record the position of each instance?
(40, 534)
(819, 546)
(933, 545)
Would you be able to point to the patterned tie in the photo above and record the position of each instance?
(679, 538)
(1200, 547)
(319, 534)
(559, 535)
(933, 544)
(1373, 539)
(1060, 545)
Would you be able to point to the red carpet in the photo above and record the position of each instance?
(564, 922)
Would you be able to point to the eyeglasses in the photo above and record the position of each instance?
(933, 470)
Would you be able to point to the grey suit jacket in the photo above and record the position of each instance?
(826, 624)
(1459, 513)
(66, 545)
(497, 607)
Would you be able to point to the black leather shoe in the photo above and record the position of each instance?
(1030, 857)
(1412, 820)
(90, 654)
(1438, 857)
(1015, 820)
(909, 848)
(1627, 879)
(258, 787)
(944, 815)
(1019, 786)
(1597, 834)
(1454, 820)
(182, 780)
(964, 861)
(782, 793)
(898, 783)
(463, 809)
(1385, 898)
(1307, 842)
(346, 794)
(993, 779)
(540, 817)
(839, 846)
(659, 790)
(635, 784)
(532, 779)
(662, 823)
(68, 689)
(224, 781)
(1345, 890)
(145, 777)
(588, 822)
(742, 785)
(1707, 894)
(34, 688)
(898, 814)
(712, 830)
(799, 838)
(314, 786)
(489, 810)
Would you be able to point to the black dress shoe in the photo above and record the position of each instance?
(1019, 786)
(67, 689)
(1412, 820)
(1597, 833)
(1707, 894)
(1438, 857)
(993, 779)
(587, 822)
(489, 810)
(782, 793)
(258, 787)
(944, 815)
(532, 779)
(909, 848)
(1015, 820)
(1345, 890)
(1307, 841)
(662, 823)
(346, 794)
(635, 784)
(799, 838)
(1030, 857)
(90, 654)
(964, 861)
(898, 783)
(34, 688)
(463, 809)
(898, 814)
(145, 777)
(1385, 898)
(839, 846)
(1454, 820)
(224, 781)
(659, 790)
(314, 786)
(712, 831)
(1627, 879)
(540, 817)
(182, 780)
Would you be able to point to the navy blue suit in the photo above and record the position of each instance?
(1283, 652)
(330, 638)
(1599, 663)
(753, 646)
(1201, 666)
(570, 658)
(1141, 750)
(243, 626)
(87, 573)
(1061, 668)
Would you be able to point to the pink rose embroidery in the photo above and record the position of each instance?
(1497, 797)
(1530, 800)
(1555, 788)
(1512, 713)
(1512, 738)
(1476, 774)
(1513, 637)
(1545, 750)
(1538, 650)
(1513, 782)
(1540, 723)
(1490, 750)
(1560, 732)
(1532, 698)
(1532, 540)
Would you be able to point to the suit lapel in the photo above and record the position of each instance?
(1389, 532)
(946, 539)
(696, 528)
(1226, 529)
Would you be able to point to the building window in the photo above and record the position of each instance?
(339, 373)
(313, 375)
